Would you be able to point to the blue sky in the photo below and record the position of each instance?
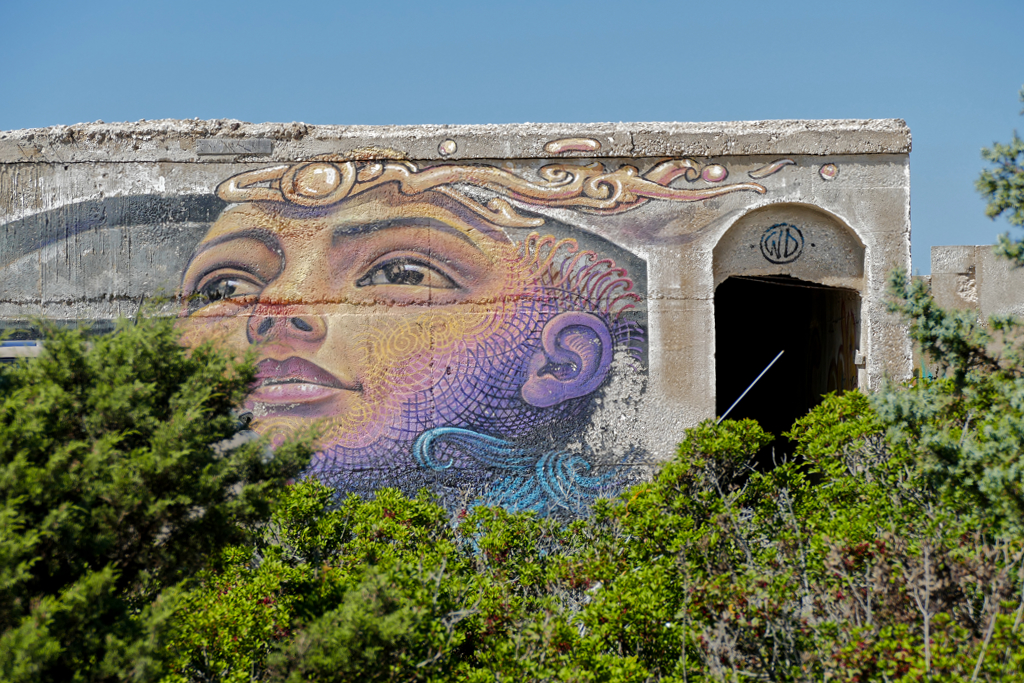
(952, 70)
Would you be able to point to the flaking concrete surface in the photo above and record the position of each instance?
(172, 140)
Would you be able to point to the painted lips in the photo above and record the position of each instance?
(294, 380)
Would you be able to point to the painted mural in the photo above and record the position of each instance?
(445, 325)
(391, 303)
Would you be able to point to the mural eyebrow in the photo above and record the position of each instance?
(363, 228)
(258, 234)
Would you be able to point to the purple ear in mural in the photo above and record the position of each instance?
(573, 361)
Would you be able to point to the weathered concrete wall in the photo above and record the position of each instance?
(974, 278)
(525, 311)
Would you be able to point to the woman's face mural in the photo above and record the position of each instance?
(391, 306)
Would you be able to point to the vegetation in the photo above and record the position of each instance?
(1003, 187)
(848, 565)
(862, 559)
(111, 494)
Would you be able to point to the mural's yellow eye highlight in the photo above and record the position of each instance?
(404, 271)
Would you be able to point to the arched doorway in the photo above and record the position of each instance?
(788, 278)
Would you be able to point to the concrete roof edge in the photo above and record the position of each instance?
(175, 140)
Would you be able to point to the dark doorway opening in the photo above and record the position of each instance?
(818, 327)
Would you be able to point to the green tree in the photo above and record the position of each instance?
(116, 484)
(967, 427)
(1003, 187)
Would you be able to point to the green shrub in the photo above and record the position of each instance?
(112, 491)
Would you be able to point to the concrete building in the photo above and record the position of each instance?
(528, 312)
(974, 278)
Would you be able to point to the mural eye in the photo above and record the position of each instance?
(224, 287)
(407, 272)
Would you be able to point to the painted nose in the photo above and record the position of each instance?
(283, 328)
